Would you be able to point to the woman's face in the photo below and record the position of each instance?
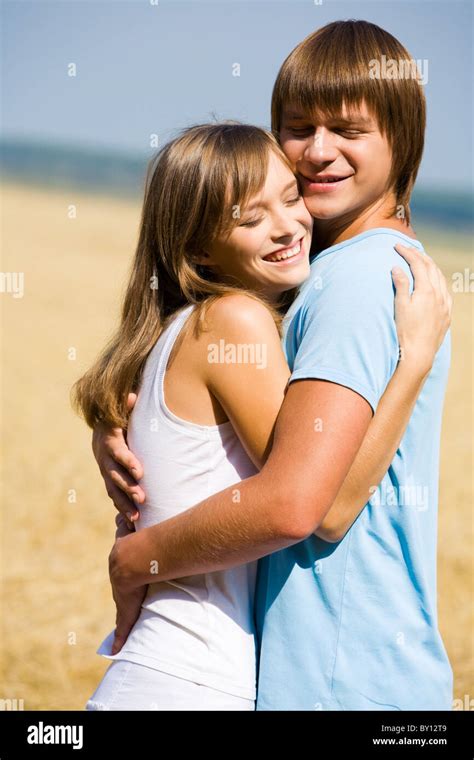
(268, 251)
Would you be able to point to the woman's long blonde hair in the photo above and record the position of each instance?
(193, 188)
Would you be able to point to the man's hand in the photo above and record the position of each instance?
(128, 600)
(119, 467)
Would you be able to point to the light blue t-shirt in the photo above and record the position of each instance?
(353, 625)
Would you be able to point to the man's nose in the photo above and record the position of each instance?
(321, 148)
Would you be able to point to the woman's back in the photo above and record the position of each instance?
(200, 627)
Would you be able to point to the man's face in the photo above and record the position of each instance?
(350, 150)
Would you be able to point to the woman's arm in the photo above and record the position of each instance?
(251, 391)
(376, 452)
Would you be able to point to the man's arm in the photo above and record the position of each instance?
(318, 432)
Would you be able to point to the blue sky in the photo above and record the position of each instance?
(144, 68)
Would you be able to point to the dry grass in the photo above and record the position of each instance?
(57, 520)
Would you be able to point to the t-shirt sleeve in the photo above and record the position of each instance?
(347, 332)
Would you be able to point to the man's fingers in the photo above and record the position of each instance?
(119, 641)
(128, 605)
(127, 484)
(131, 400)
(119, 451)
(124, 525)
(121, 502)
(124, 625)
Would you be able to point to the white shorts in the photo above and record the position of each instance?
(129, 686)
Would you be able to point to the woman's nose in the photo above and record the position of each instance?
(285, 227)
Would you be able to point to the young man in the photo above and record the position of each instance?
(351, 624)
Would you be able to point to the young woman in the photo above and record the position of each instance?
(224, 241)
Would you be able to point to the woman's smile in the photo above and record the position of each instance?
(289, 255)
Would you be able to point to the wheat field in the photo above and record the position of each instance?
(57, 521)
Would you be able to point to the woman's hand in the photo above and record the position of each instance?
(422, 318)
(119, 467)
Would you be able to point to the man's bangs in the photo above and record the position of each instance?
(324, 88)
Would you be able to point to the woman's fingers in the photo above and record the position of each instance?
(433, 272)
(424, 317)
(427, 275)
(425, 272)
(402, 287)
(444, 290)
(418, 264)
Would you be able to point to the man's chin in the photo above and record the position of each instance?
(329, 208)
(326, 211)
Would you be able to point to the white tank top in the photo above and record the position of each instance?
(201, 627)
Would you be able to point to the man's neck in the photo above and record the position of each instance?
(328, 232)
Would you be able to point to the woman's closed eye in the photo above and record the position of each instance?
(253, 222)
(294, 200)
(250, 223)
